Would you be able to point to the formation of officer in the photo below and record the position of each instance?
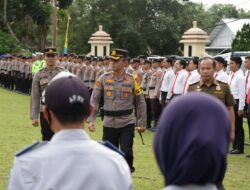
(15, 73)
(161, 79)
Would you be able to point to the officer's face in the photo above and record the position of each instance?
(191, 66)
(247, 64)
(117, 65)
(233, 66)
(177, 65)
(51, 60)
(206, 70)
(218, 66)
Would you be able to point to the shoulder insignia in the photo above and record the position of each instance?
(220, 81)
(30, 147)
(194, 83)
(60, 68)
(108, 73)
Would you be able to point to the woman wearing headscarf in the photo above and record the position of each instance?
(191, 142)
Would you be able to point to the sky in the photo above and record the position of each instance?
(245, 4)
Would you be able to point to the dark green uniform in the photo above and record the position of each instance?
(218, 89)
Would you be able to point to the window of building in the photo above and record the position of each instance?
(190, 51)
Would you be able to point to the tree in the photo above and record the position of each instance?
(7, 44)
(242, 39)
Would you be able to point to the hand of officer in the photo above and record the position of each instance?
(240, 113)
(232, 136)
(91, 127)
(35, 123)
(141, 129)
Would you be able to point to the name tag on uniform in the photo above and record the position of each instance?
(109, 88)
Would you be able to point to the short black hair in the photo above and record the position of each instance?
(209, 58)
(247, 57)
(196, 61)
(237, 60)
(183, 63)
(170, 60)
(70, 118)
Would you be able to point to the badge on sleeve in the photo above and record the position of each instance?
(98, 83)
(108, 93)
(218, 88)
(137, 88)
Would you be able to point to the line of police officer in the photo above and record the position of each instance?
(15, 73)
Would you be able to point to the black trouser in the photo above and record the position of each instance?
(163, 99)
(47, 134)
(122, 137)
(155, 110)
(239, 131)
(149, 114)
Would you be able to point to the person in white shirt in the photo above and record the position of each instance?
(220, 74)
(193, 75)
(166, 79)
(71, 160)
(237, 86)
(179, 80)
(247, 85)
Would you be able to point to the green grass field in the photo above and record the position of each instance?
(16, 132)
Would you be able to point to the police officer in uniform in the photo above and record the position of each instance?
(119, 90)
(39, 84)
(145, 86)
(71, 160)
(214, 87)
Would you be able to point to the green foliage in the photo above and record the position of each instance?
(242, 39)
(8, 44)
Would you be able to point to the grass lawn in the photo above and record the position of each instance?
(16, 132)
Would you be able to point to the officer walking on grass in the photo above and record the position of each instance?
(39, 84)
(120, 91)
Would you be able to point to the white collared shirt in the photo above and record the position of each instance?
(236, 82)
(178, 83)
(221, 76)
(167, 81)
(71, 160)
(192, 78)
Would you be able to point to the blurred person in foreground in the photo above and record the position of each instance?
(71, 160)
(191, 147)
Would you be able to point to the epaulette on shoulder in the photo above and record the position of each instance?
(223, 82)
(108, 73)
(42, 69)
(129, 74)
(59, 67)
(30, 147)
(194, 83)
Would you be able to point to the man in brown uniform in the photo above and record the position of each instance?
(40, 82)
(119, 90)
(216, 88)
